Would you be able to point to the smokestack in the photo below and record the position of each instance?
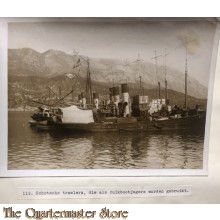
(125, 98)
(95, 95)
(79, 97)
(116, 94)
(159, 89)
(111, 94)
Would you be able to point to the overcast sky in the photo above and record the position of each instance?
(123, 39)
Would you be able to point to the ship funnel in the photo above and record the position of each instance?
(124, 88)
(95, 95)
(79, 97)
(116, 94)
(125, 99)
(111, 94)
(158, 90)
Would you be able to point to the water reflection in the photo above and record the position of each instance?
(29, 149)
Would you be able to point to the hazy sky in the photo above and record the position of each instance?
(124, 39)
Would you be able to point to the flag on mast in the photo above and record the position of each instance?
(78, 63)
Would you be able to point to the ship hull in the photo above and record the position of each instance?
(170, 124)
(107, 127)
(187, 123)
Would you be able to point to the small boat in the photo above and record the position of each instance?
(41, 114)
(35, 123)
(32, 123)
(43, 118)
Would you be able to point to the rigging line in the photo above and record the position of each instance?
(75, 53)
(165, 62)
(155, 58)
(112, 73)
(137, 61)
(64, 97)
(51, 105)
(52, 91)
(138, 72)
(126, 70)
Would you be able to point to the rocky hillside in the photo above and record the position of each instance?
(23, 89)
(28, 62)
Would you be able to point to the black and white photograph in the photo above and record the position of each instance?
(119, 96)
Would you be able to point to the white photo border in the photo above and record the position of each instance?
(4, 172)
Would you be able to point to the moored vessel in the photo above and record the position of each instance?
(121, 112)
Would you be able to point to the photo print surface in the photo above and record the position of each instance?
(112, 95)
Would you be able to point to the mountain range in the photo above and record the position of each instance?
(52, 63)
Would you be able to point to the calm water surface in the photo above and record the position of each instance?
(31, 149)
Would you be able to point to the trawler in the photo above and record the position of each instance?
(114, 116)
(122, 113)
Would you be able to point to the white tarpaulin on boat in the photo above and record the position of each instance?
(73, 114)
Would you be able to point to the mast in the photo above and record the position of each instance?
(141, 92)
(88, 77)
(185, 103)
(166, 92)
(165, 73)
(88, 84)
(126, 69)
(155, 58)
(113, 80)
(185, 44)
(138, 60)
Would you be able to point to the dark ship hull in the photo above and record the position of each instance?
(186, 123)
(125, 124)
(106, 127)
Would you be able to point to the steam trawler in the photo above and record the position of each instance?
(120, 113)
(115, 115)
(124, 116)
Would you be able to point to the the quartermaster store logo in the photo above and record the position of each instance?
(32, 213)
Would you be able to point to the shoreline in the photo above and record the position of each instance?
(20, 110)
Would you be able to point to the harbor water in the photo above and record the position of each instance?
(32, 149)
